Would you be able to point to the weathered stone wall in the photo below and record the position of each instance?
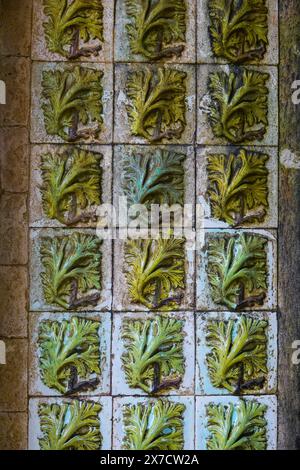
(15, 71)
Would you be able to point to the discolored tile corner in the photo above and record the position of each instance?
(38, 217)
(202, 432)
(204, 297)
(40, 50)
(13, 431)
(15, 72)
(105, 418)
(204, 385)
(13, 308)
(14, 144)
(123, 51)
(38, 130)
(270, 220)
(121, 298)
(118, 424)
(37, 387)
(122, 125)
(13, 230)
(119, 383)
(13, 376)
(205, 53)
(205, 135)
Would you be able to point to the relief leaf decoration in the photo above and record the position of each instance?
(71, 184)
(237, 270)
(72, 266)
(239, 106)
(154, 426)
(156, 177)
(239, 29)
(70, 23)
(70, 426)
(238, 187)
(69, 350)
(157, 28)
(155, 269)
(153, 360)
(157, 103)
(72, 98)
(237, 427)
(237, 360)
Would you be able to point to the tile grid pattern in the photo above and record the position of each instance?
(37, 311)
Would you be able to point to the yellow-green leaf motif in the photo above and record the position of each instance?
(238, 186)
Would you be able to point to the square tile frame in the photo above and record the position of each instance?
(122, 125)
(204, 299)
(204, 49)
(38, 218)
(271, 218)
(105, 418)
(188, 418)
(40, 50)
(38, 131)
(37, 301)
(205, 135)
(201, 421)
(123, 53)
(119, 384)
(203, 383)
(36, 385)
(121, 301)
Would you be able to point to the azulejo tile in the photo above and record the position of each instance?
(50, 20)
(264, 48)
(126, 411)
(70, 270)
(70, 354)
(238, 187)
(146, 295)
(237, 270)
(86, 169)
(154, 175)
(173, 122)
(236, 353)
(221, 84)
(257, 418)
(49, 415)
(59, 91)
(173, 40)
(164, 365)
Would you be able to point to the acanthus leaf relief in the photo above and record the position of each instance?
(156, 28)
(238, 187)
(74, 29)
(70, 355)
(239, 105)
(72, 269)
(237, 358)
(153, 359)
(156, 177)
(153, 426)
(240, 426)
(237, 270)
(72, 103)
(71, 187)
(239, 29)
(157, 108)
(155, 272)
(73, 425)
